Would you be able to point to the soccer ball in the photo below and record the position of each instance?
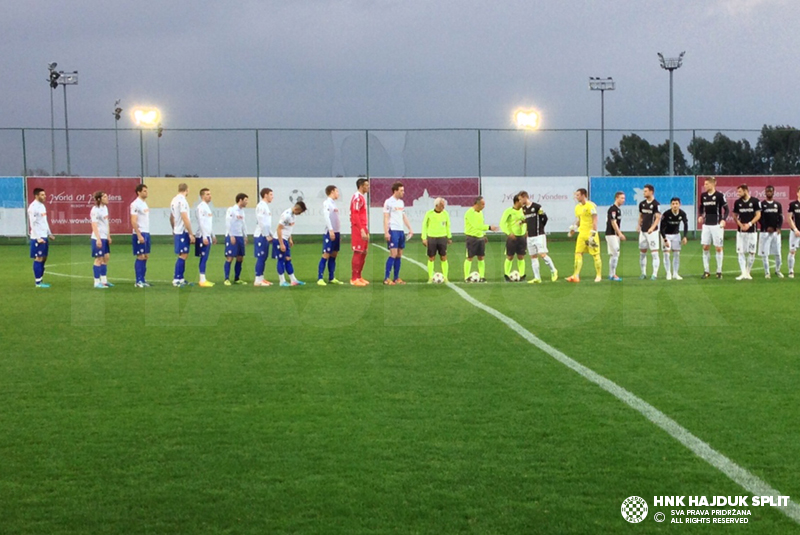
(438, 278)
(474, 277)
(296, 196)
(514, 276)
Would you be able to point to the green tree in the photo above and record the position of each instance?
(723, 156)
(637, 157)
(778, 150)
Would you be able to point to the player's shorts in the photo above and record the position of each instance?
(181, 243)
(261, 247)
(712, 235)
(200, 249)
(475, 247)
(794, 242)
(359, 244)
(649, 240)
(673, 242)
(141, 248)
(397, 239)
(769, 243)
(234, 249)
(612, 245)
(582, 245)
(103, 250)
(39, 250)
(276, 250)
(746, 242)
(537, 244)
(516, 245)
(331, 246)
(437, 246)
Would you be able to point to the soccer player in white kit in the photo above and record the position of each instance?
(235, 238)
(140, 238)
(283, 252)
(671, 222)
(331, 237)
(794, 233)
(101, 239)
(394, 217)
(769, 242)
(205, 235)
(649, 218)
(713, 213)
(262, 235)
(182, 235)
(746, 213)
(40, 235)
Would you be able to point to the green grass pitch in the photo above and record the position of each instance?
(344, 410)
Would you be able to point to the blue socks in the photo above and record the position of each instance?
(237, 270)
(180, 268)
(289, 267)
(97, 270)
(38, 271)
(261, 263)
(140, 267)
(321, 270)
(389, 264)
(227, 270)
(203, 261)
(331, 267)
(280, 265)
(397, 268)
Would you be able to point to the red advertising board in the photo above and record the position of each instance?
(785, 189)
(70, 199)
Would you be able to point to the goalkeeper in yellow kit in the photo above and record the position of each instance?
(586, 225)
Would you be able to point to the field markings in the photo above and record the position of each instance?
(748, 481)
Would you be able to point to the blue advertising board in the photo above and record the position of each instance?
(12, 192)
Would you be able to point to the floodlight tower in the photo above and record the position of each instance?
(526, 120)
(117, 114)
(52, 79)
(65, 79)
(602, 85)
(671, 65)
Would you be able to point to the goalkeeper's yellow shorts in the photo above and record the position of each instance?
(582, 245)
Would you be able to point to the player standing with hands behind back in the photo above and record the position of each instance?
(746, 213)
(40, 234)
(713, 212)
(649, 218)
(101, 239)
(394, 217)
(770, 239)
(671, 222)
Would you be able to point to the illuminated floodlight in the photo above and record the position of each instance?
(527, 119)
(146, 117)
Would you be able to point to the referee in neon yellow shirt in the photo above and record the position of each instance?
(436, 236)
(475, 230)
(586, 224)
(513, 224)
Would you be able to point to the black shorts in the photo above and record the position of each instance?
(476, 246)
(516, 246)
(437, 246)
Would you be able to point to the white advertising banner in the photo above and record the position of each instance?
(310, 190)
(555, 194)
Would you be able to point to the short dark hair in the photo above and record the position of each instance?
(582, 191)
(617, 194)
(523, 193)
(478, 199)
(743, 187)
(769, 187)
(360, 181)
(202, 191)
(183, 186)
(650, 187)
(98, 195)
(330, 189)
(515, 200)
(140, 187)
(264, 192)
(37, 191)
(675, 199)
(302, 206)
(240, 196)
(396, 186)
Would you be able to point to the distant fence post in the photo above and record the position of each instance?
(24, 155)
(366, 140)
(586, 150)
(258, 157)
(480, 169)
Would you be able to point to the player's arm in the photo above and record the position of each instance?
(386, 225)
(447, 226)
(780, 220)
(735, 217)
(95, 231)
(574, 226)
(326, 214)
(656, 221)
(505, 224)
(228, 220)
(639, 222)
(171, 220)
(135, 225)
(280, 237)
(726, 211)
(543, 219)
(685, 221)
(244, 227)
(755, 220)
(408, 226)
(700, 214)
(617, 231)
(187, 225)
(425, 222)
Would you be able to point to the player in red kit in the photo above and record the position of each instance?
(359, 233)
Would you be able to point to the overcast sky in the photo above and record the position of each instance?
(404, 63)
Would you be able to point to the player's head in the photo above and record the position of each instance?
(517, 200)
(398, 190)
(241, 199)
(619, 198)
(743, 191)
(710, 184)
(524, 197)
(479, 203)
(141, 191)
(266, 194)
(299, 207)
(769, 192)
(205, 195)
(581, 195)
(100, 198)
(183, 187)
(649, 190)
(332, 192)
(362, 185)
(675, 203)
(39, 194)
(439, 204)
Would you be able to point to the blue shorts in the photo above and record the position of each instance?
(181, 243)
(200, 249)
(39, 250)
(234, 250)
(261, 247)
(331, 246)
(102, 250)
(276, 250)
(397, 239)
(141, 248)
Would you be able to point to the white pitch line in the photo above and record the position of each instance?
(748, 481)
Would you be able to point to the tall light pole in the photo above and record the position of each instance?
(53, 81)
(526, 120)
(117, 114)
(602, 85)
(159, 133)
(65, 79)
(671, 64)
(145, 118)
